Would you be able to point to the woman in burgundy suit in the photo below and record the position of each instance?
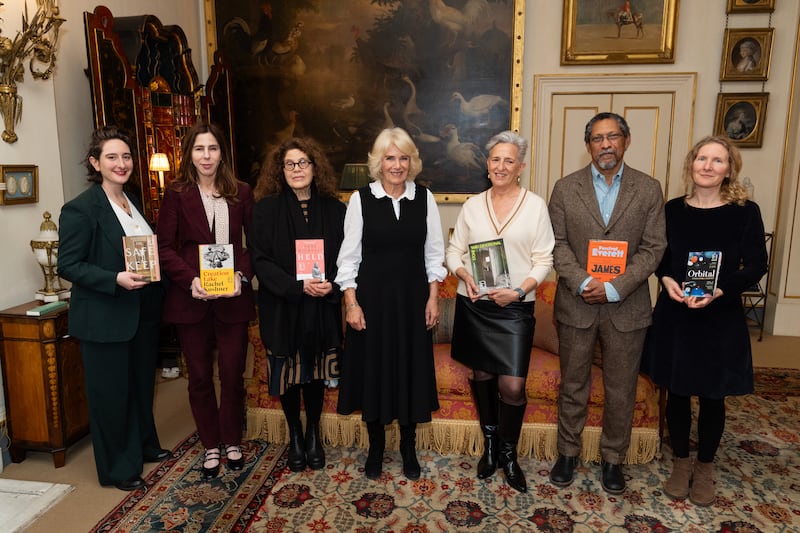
(206, 204)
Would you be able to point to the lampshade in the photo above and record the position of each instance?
(159, 162)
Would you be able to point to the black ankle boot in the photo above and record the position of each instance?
(297, 452)
(510, 417)
(377, 443)
(408, 451)
(485, 394)
(315, 455)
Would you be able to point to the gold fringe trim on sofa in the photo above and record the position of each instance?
(448, 437)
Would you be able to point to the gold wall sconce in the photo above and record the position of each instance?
(159, 163)
(36, 41)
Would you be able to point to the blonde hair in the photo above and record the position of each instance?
(731, 191)
(402, 140)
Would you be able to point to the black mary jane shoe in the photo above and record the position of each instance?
(234, 464)
(160, 455)
(612, 478)
(132, 483)
(212, 456)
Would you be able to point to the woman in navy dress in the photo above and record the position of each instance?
(700, 346)
(390, 266)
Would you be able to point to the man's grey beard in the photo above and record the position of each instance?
(608, 164)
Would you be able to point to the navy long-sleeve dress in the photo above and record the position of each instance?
(706, 352)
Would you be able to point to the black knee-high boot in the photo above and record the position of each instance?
(485, 394)
(290, 401)
(313, 393)
(408, 451)
(377, 444)
(510, 417)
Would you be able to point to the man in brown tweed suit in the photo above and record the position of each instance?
(606, 200)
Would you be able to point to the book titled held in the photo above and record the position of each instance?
(489, 265)
(310, 258)
(702, 272)
(606, 259)
(216, 268)
(141, 256)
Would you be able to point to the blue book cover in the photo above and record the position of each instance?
(702, 271)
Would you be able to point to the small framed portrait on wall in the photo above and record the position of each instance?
(751, 6)
(741, 117)
(746, 54)
(21, 184)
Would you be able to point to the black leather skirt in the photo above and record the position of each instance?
(495, 339)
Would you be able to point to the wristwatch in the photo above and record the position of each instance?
(521, 293)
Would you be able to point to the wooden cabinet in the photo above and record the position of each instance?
(43, 382)
(143, 80)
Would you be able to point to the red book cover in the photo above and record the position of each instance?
(310, 258)
(606, 259)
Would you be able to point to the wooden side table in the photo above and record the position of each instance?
(43, 382)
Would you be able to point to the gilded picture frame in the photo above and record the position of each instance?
(741, 118)
(20, 184)
(391, 64)
(750, 6)
(746, 54)
(600, 32)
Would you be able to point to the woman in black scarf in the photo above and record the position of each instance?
(296, 233)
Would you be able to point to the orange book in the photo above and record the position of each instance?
(606, 259)
(216, 268)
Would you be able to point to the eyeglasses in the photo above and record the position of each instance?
(302, 164)
(612, 138)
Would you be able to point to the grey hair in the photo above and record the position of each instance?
(623, 125)
(509, 137)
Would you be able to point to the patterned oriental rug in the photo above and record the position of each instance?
(757, 475)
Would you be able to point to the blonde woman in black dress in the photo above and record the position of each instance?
(390, 266)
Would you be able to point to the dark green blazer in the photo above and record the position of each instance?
(90, 256)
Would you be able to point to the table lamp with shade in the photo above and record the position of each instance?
(159, 163)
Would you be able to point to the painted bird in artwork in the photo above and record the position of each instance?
(478, 106)
(456, 21)
(467, 155)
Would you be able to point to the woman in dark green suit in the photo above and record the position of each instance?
(115, 314)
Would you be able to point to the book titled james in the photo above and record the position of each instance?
(310, 258)
(702, 272)
(216, 268)
(51, 307)
(141, 256)
(489, 265)
(606, 259)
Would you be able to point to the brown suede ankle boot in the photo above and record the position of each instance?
(702, 491)
(677, 486)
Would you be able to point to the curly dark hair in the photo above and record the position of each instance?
(225, 181)
(99, 138)
(272, 180)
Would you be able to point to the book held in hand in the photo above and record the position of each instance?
(310, 258)
(217, 275)
(141, 256)
(702, 272)
(606, 259)
(489, 265)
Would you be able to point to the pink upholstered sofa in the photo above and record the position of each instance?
(454, 428)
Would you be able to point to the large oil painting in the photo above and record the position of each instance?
(447, 71)
(618, 32)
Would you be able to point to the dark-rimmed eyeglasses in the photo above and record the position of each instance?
(612, 138)
(302, 164)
